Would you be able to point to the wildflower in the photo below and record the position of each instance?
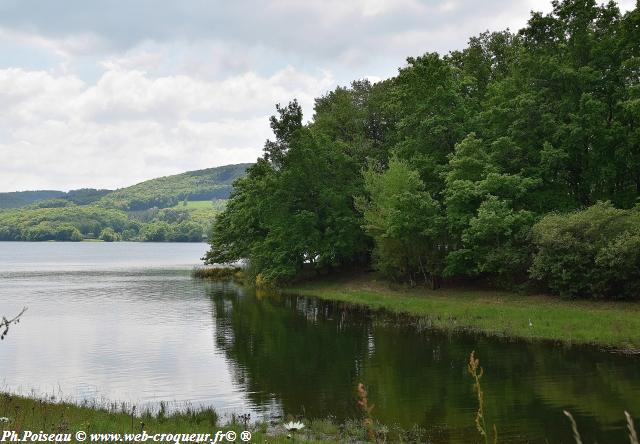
(4, 419)
(294, 426)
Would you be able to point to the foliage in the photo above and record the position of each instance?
(405, 222)
(109, 235)
(293, 208)
(90, 214)
(492, 138)
(19, 199)
(62, 224)
(219, 273)
(208, 184)
(78, 222)
(591, 252)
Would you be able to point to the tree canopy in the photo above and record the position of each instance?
(463, 165)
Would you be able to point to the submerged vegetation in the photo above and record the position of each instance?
(512, 161)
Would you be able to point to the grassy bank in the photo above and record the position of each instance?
(235, 274)
(610, 324)
(22, 414)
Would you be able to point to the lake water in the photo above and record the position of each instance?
(125, 322)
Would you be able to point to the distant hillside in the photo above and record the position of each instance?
(178, 208)
(163, 192)
(19, 199)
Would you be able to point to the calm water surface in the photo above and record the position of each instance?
(126, 322)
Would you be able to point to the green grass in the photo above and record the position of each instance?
(195, 205)
(215, 204)
(610, 324)
(52, 416)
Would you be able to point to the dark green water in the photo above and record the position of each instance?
(125, 322)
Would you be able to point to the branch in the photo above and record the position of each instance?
(5, 323)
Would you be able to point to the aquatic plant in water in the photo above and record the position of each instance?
(5, 323)
(363, 403)
(293, 427)
(633, 436)
(476, 373)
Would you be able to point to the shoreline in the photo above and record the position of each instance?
(614, 325)
(65, 419)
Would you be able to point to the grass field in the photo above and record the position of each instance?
(195, 205)
(217, 205)
(610, 324)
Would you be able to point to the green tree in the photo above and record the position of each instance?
(406, 224)
(487, 213)
(491, 138)
(109, 235)
(156, 232)
(294, 208)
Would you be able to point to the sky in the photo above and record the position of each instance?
(107, 94)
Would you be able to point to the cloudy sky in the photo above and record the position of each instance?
(106, 94)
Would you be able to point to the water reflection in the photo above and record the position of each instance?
(151, 333)
(308, 355)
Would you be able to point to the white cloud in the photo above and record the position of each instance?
(66, 46)
(105, 94)
(61, 132)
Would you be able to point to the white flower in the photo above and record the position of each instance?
(4, 419)
(294, 426)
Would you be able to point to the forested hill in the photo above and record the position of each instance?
(17, 199)
(515, 159)
(208, 184)
(177, 208)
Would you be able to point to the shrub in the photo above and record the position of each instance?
(109, 235)
(590, 253)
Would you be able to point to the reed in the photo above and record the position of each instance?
(363, 404)
(633, 436)
(219, 273)
(476, 373)
(574, 427)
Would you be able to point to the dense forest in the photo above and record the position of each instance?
(179, 208)
(515, 160)
(163, 192)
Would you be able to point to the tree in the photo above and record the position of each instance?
(487, 213)
(294, 208)
(406, 224)
(455, 160)
(109, 235)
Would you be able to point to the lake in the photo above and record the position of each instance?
(125, 322)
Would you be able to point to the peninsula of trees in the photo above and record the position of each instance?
(515, 160)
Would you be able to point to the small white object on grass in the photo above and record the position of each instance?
(294, 426)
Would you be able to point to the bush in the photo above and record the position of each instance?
(109, 235)
(590, 253)
(235, 274)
